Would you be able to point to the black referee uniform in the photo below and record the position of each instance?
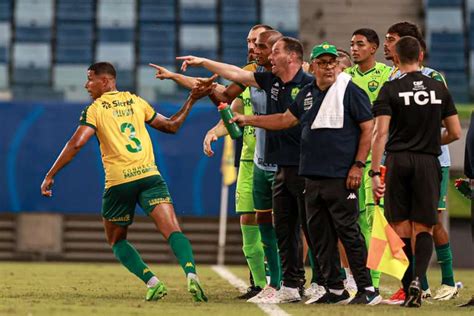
(417, 104)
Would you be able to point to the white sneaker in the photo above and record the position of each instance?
(283, 295)
(316, 292)
(446, 292)
(350, 285)
(426, 294)
(267, 291)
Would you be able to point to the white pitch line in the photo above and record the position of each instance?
(269, 309)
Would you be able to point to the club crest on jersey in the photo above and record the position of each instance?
(418, 85)
(372, 85)
(308, 101)
(294, 92)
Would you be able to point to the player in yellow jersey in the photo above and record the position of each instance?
(118, 120)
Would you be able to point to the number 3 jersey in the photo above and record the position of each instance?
(119, 121)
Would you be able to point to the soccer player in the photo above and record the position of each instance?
(118, 120)
(369, 75)
(281, 85)
(444, 255)
(413, 107)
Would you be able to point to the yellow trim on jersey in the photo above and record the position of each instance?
(119, 121)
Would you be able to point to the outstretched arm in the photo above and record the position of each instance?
(219, 129)
(73, 146)
(173, 124)
(163, 73)
(273, 122)
(230, 72)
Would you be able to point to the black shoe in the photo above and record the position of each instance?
(342, 299)
(251, 292)
(413, 298)
(367, 298)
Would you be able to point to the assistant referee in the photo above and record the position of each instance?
(409, 111)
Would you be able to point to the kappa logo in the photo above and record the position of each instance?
(351, 196)
(308, 101)
(189, 265)
(145, 271)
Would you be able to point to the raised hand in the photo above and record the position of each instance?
(190, 61)
(206, 144)
(161, 72)
(46, 187)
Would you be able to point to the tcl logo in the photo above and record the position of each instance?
(420, 97)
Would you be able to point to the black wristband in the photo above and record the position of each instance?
(359, 164)
(373, 173)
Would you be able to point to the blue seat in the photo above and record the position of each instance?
(157, 54)
(198, 15)
(444, 3)
(36, 92)
(75, 33)
(446, 42)
(206, 53)
(239, 14)
(151, 11)
(456, 78)
(83, 10)
(234, 56)
(126, 80)
(116, 35)
(68, 54)
(163, 34)
(4, 54)
(31, 75)
(447, 61)
(5, 10)
(235, 35)
(33, 34)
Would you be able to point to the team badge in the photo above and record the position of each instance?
(294, 92)
(372, 85)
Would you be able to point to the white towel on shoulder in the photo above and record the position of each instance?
(331, 112)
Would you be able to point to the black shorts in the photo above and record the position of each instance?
(413, 187)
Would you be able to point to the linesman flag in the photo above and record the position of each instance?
(386, 248)
(229, 173)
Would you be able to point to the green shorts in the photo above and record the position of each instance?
(262, 189)
(443, 188)
(243, 191)
(119, 201)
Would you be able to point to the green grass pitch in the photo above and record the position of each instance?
(109, 289)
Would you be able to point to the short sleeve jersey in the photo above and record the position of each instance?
(119, 122)
(282, 147)
(417, 104)
(370, 81)
(328, 152)
(444, 158)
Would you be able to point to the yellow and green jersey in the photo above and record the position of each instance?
(119, 122)
(249, 138)
(370, 81)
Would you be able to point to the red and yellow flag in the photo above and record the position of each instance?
(229, 172)
(386, 248)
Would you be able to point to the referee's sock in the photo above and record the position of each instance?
(423, 252)
(131, 259)
(408, 276)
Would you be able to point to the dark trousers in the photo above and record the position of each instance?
(332, 213)
(289, 217)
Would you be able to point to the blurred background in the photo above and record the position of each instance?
(46, 47)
